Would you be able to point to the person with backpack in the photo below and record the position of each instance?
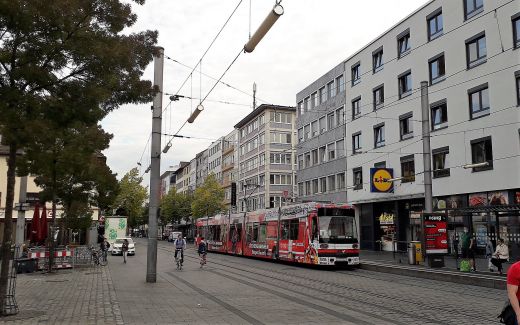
(104, 246)
(124, 249)
(180, 245)
(511, 313)
(202, 250)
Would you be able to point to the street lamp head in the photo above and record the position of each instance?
(195, 113)
(167, 147)
(266, 25)
(477, 165)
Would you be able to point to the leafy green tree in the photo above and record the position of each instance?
(132, 197)
(208, 199)
(61, 51)
(175, 207)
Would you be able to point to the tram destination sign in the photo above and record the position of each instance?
(435, 233)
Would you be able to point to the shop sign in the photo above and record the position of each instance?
(415, 215)
(386, 218)
(435, 233)
(478, 199)
(498, 198)
(379, 180)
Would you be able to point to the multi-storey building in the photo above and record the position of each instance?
(202, 167)
(182, 176)
(168, 180)
(229, 172)
(215, 159)
(468, 53)
(321, 158)
(192, 175)
(266, 141)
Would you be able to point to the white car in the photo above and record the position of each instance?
(116, 247)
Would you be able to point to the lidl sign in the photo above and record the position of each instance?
(379, 180)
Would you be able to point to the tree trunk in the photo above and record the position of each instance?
(53, 241)
(8, 226)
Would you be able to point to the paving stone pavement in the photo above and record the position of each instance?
(235, 290)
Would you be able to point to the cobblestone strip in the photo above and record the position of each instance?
(116, 310)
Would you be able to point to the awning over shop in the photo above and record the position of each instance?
(488, 209)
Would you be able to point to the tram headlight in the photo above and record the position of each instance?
(355, 246)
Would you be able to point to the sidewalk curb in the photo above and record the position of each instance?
(439, 275)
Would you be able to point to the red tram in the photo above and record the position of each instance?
(312, 233)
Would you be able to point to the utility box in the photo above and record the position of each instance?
(418, 251)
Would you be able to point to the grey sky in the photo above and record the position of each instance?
(309, 39)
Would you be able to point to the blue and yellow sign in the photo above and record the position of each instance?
(379, 180)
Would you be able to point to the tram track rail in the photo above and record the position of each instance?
(371, 294)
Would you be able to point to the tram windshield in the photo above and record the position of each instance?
(337, 227)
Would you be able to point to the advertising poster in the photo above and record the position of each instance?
(478, 200)
(498, 198)
(435, 233)
(481, 235)
(115, 227)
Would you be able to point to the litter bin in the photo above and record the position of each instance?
(26, 265)
(412, 260)
(418, 252)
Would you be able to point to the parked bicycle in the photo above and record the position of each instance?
(98, 258)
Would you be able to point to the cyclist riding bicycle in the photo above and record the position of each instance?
(180, 245)
(202, 250)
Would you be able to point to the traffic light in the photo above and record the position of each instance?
(233, 194)
(101, 233)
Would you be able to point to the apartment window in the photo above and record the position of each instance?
(308, 188)
(300, 108)
(356, 107)
(479, 101)
(377, 60)
(306, 104)
(323, 95)
(357, 178)
(280, 158)
(379, 97)
(307, 160)
(322, 124)
(322, 151)
(439, 114)
(516, 30)
(331, 151)
(381, 164)
(300, 162)
(323, 184)
(332, 183)
(331, 91)
(473, 8)
(314, 128)
(280, 179)
(482, 151)
(407, 169)
(300, 189)
(340, 148)
(435, 24)
(379, 135)
(340, 116)
(437, 69)
(517, 78)
(356, 143)
(315, 159)
(314, 100)
(440, 162)
(403, 43)
(300, 135)
(356, 73)
(306, 132)
(330, 121)
(405, 84)
(476, 51)
(315, 188)
(406, 126)
(340, 84)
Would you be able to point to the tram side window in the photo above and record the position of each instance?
(215, 232)
(262, 232)
(255, 232)
(293, 231)
(236, 232)
(314, 228)
(285, 229)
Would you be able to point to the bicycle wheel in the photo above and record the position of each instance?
(102, 261)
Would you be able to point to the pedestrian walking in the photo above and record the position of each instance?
(511, 314)
(104, 246)
(501, 255)
(468, 248)
(202, 250)
(124, 249)
(489, 253)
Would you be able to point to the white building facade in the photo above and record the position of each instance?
(468, 52)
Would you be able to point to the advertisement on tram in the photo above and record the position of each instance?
(310, 233)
